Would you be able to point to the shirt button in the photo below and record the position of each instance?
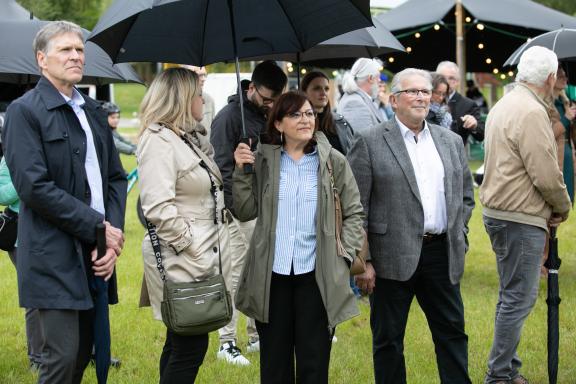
(215, 249)
(76, 151)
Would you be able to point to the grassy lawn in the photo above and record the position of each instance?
(138, 340)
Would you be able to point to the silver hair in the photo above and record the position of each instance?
(536, 64)
(359, 73)
(447, 64)
(408, 72)
(46, 34)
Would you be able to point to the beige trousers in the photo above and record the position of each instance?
(240, 235)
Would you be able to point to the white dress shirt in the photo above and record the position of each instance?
(91, 165)
(429, 172)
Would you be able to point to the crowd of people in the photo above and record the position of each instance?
(251, 192)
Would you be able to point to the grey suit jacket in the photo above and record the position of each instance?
(391, 200)
(360, 111)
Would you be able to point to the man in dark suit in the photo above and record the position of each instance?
(417, 194)
(466, 119)
(69, 178)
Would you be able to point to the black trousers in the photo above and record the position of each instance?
(442, 304)
(297, 332)
(181, 358)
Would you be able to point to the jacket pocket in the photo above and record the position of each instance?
(380, 228)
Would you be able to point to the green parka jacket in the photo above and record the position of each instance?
(256, 196)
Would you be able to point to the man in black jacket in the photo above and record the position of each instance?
(267, 83)
(466, 119)
(69, 178)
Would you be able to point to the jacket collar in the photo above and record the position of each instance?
(521, 87)
(48, 92)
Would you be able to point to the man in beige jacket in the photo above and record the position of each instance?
(523, 192)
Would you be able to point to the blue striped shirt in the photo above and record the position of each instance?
(296, 223)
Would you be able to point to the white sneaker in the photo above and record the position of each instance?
(232, 354)
(253, 346)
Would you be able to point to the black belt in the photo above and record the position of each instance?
(430, 237)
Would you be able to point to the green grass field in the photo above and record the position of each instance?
(138, 340)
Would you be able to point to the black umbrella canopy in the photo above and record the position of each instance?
(493, 29)
(341, 51)
(199, 32)
(18, 63)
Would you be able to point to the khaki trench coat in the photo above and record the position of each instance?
(256, 195)
(176, 198)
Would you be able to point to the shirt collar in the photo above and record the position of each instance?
(407, 133)
(76, 99)
(451, 95)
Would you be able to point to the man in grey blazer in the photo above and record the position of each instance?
(360, 87)
(417, 194)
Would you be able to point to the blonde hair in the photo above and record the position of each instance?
(168, 101)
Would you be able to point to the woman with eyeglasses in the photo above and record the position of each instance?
(293, 283)
(316, 86)
(439, 113)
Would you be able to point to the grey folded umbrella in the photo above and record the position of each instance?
(18, 63)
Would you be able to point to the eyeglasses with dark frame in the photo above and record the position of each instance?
(265, 100)
(310, 115)
(415, 92)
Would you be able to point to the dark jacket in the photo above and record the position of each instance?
(459, 106)
(344, 131)
(45, 148)
(225, 135)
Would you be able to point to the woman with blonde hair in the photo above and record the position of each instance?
(181, 194)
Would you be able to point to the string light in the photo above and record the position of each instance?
(390, 59)
(303, 71)
(510, 73)
(480, 26)
(495, 71)
(417, 35)
(334, 73)
(381, 68)
(436, 27)
(480, 46)
(408, 49)
(468, 19)
(503, 76)
(488, 61)
(289, 64)
(290, 69)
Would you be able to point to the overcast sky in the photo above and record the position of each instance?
(385, 3)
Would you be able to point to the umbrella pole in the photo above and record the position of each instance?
(248, 168)
(298, 69)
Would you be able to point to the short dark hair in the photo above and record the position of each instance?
(287, 103)
(268, 74)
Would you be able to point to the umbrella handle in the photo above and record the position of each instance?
(101, 239)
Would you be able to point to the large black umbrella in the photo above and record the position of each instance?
(341, 51)
(201, 32)
(101, 324)
(553, 301)
(493, 29)
(18, 63)
(561, 41)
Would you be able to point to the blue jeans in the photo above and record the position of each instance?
(518, 248)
